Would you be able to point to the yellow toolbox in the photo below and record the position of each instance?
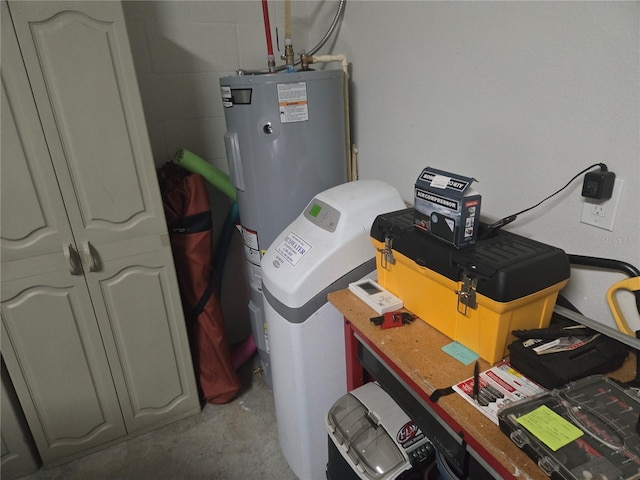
(476, 295)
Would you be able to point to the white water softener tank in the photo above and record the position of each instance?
(285, 142)
(323, 250)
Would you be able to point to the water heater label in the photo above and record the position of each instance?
(250, 240)
(252, 254)
(292, 102)
(254, 275)
(293, 248)
(227, 100)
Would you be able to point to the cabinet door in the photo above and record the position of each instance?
(54, 353)
(50, 338)
(147, 348)
(34, 226)
(125, 296)
(19, 455)
(79, 64)
(77, 57)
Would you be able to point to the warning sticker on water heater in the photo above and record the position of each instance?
(293, 248)
(227, 98)
(293, 103)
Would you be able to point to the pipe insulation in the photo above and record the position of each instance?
(271, 59)
(267, 27)
(213, 175)
(287, 19)
(333, 58)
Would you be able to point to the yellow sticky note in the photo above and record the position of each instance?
(549, 427)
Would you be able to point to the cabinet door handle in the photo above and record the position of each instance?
(75, 268)
(90, 256)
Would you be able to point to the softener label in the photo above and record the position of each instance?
(293, 248)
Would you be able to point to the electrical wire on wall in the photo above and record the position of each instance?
(587, 261)
(490, 229)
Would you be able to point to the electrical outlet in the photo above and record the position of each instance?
(599, 211)
(602, 213)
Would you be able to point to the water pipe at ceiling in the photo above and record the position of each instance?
(288, 56)
(305, 60)
(310, 53)
(332, 27)
(271, 60)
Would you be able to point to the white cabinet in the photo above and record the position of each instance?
(19, 455)
(93, 334)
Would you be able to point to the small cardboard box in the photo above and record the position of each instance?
(447, 207)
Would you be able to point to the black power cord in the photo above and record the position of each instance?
(487, 231)
(609, 264)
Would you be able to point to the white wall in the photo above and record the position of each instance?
(519, 95)
(181, 48)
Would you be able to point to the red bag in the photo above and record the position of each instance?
(188, 213)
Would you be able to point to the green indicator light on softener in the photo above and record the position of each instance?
(315, 210)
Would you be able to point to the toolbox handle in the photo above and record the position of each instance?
(630, 284)
(480, 272)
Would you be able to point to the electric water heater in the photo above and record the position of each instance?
(285, 142)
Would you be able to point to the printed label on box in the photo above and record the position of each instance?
(447, 207)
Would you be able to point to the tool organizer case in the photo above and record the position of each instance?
(476, 295)
(600, 354)
(607, 415)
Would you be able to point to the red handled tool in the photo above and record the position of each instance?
(393, 319)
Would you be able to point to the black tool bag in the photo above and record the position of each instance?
(551, 370)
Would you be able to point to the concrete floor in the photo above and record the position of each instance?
(236, 441)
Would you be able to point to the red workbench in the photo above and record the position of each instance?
(409, 364)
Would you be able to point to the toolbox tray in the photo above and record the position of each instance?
(606, 413)
(507, 266)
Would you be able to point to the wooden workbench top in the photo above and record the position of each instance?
(416, 350)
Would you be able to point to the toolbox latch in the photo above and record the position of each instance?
(467, 294)
(386, 253)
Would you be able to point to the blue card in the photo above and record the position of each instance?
(460, 353)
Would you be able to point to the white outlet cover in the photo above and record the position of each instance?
(602, 213)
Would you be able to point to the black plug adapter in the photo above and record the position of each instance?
(598, 185)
